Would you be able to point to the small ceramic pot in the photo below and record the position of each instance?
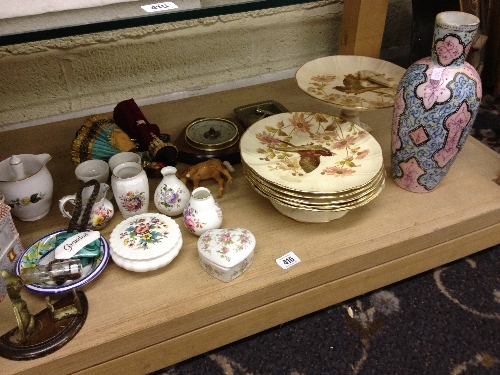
(202, 212)
(226, 253)
(130, 188)
(123, 157)
(171, 195)
(102, 210)
(93, 169)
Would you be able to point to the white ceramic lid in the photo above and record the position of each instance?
(145, 236)
(226, 247)
(311, 152)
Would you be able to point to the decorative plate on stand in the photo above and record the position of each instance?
(352, 83)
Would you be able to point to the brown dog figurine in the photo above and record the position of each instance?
(212, 168)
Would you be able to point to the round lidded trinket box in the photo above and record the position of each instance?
(145, 242)
(226, 253)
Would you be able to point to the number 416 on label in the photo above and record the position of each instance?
(288, 260)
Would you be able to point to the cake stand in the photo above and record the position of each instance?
(352, 83)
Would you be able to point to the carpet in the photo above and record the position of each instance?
(445, 321)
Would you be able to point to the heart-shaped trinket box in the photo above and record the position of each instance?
(226, 253)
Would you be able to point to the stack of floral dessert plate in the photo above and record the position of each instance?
(312, 167)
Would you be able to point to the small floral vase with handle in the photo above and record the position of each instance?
(202, 212)
(435, 106)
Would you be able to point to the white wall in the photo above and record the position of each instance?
(71, 76)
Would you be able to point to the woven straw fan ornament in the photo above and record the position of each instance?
(99, 138)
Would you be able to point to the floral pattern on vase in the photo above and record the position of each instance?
(196, 223)
(171, 194)
(101, 216)
(133, 201)
(435, 107)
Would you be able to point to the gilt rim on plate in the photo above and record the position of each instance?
(344, 195)
(314, 203)
(358, 204)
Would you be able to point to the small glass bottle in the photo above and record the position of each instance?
(57, 271)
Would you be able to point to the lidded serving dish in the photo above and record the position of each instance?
(145, 242)
(312, 167)
(226, 253)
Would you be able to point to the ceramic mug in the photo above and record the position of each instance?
(92, 169)
(123, 157)
(102, 210)
(130, 188)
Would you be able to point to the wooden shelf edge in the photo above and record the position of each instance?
(251, 322)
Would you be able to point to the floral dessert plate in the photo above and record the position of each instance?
(42, 251)
(145, 242)
(312, 216)
(326, 208)
(351, 82)
(315, 204)
(311, 152)
(319, 199)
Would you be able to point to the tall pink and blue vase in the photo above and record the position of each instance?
(435, 106)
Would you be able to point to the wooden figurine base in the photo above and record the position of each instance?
(48, 335)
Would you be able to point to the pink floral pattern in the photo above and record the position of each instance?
(448, 50)
(411, 172)
(434, 91)
(226, 253)
(348, 81)
(306, 151)
(455, 125)
(441, 96)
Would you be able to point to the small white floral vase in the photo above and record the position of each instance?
(171, 194)
(202, 212)
(131, 189)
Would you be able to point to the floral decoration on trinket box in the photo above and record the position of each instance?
(226, 253)
(145, 242)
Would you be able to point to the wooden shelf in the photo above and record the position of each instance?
(145, 321)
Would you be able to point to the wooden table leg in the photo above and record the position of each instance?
(363, 23)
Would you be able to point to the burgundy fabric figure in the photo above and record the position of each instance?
(129, 117)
